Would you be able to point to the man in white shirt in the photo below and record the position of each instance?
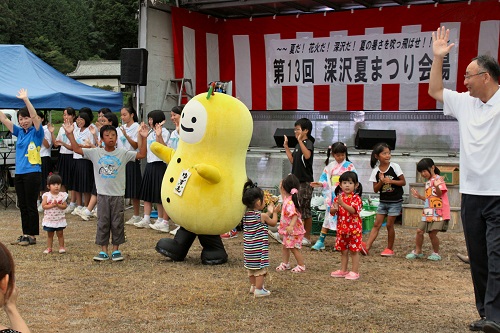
(478, 115)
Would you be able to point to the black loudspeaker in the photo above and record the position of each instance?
(367, 139)
(134, 66)
(279, 139)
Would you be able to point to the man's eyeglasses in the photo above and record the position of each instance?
(468, 76)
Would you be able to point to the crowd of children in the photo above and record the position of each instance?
(99, 164)
(342, 191)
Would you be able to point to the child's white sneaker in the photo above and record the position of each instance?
(76, 211)
(83, 215)
(69, 209)
(133, 220)
(160, 226)
(261, 292)
(142, 224)
(173, 232)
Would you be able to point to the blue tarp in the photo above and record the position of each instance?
(47, 87)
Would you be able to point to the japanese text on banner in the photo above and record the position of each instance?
(369, 59)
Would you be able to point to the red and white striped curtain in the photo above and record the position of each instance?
(210, 49)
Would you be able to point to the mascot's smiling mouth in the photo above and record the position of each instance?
(187, 129)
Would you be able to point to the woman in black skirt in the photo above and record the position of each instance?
(84, 172)
(153, 174)
(66, 164)
(127, 139)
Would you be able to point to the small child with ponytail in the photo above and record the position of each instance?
(291, 227)
(255, 241)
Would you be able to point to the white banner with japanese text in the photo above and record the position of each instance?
(370, 59)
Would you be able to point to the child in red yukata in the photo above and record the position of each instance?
(347, 206)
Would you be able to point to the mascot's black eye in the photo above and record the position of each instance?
(178, 160)
(168, 200)
(172, 179)
(193, 120)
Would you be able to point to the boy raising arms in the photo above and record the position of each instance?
(109, 173)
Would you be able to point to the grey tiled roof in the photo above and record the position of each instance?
(96, 68)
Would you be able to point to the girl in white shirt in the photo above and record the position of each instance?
(83, 171)
(127, 139)
(66, 164)
(153, 174)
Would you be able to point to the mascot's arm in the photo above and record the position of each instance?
(163, 152)
(208, 172)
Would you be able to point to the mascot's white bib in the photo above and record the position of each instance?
(203, 184)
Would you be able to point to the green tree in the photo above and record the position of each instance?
(65, 31)
(51, 54)
(7, 22)
(115, 26)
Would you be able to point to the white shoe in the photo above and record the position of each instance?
(69, 209)
(142, 224)
(275, 235)
(77, 210)
(306, 242)
(173, 232)
(40, 208)
(134, 219)
(94, 212)
(162, 226)
(83, 215)
(154, 225)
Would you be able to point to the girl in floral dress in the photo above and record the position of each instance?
(347, 206)
(54, 220)
(291, 226)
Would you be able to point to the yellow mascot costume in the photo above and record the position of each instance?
(203, 184)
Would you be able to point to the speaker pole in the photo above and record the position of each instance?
(137, 102)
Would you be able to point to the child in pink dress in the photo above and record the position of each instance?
(291, 226)
(347, 206)
(54, 220)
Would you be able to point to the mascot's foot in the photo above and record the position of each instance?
(218, 261)
(160, 249)
(213, 252)
(177, 248)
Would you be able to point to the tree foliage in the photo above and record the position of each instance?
(61, 32)
(7, 22)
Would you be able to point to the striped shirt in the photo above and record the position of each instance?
(255, 241)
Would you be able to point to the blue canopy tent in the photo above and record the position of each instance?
(47, 87)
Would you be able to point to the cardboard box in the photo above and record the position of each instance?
(412, 215)
(450, 173)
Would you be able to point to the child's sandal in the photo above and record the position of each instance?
(299, 269)
(47, 251)
(283, 267)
